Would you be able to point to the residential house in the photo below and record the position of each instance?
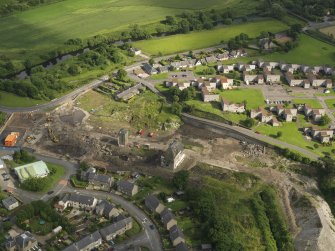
(87, 243)
(225, 68)
(249, 67)
(176, 235)
(76, 201)
(328, 70)
(271, 76)
(211, 59)
(171, 82)
(174, 155)
(140, 73)
(168, 219)
(106, 209)
(252, 78)
(10, 203)
(148, 68)
(275, 122)
(127, 187)
(207, 96)
(305, 68)
(327, 83)
(322, 135)
(289, 114)
(153, 204)
(232, 107)
(262, 115)
(182, 247)
(307, 110)
(223, 56)
(163, 69)
(225, 83)
(278, 109)
(183, 85)
(130, 92)
(305, 83)
(240, 67)
(317, 114)
(97, 181)
(210, 85)
(118, 228)
(22, 242)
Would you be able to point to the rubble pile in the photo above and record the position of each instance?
(252, 150)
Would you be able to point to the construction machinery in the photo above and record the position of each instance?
(52, 135)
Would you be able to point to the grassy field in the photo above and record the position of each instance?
(330, 103)
(36, 31)
(253, 97)
(311, 102)
(12, 100)
(203, 39)
(329, 30)
(309, 52)
(146, 110)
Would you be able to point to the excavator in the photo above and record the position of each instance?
(52, 135)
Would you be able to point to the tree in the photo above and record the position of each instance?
(176, 108)
(74, 70)
(180, 179)
(279, 134)
(325, 120)
(151, 61)
(248, 122)
(121, 74)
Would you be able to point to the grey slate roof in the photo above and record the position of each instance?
(114, 227)
(175, 148)
(23, 239)
(103, 178)
(176, 232)
(151, 202)
(7, 202)
(104, 207)
(84, 242)
(82, 199)
(149, 69)
(126, 186)
(181, 247)
(167, 216)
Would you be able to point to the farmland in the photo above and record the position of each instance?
(35, 32)
(309, 52)
(203, 39)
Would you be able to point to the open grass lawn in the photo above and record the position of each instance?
(309, 52)
(311, 102)
(54, 178)
(191, 229)
(253, 97)
(159, 76)
(146, 110)
(31, 33)
(203, 39)
(330, 103)
(12, 100)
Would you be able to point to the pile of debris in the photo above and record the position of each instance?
(252, 150)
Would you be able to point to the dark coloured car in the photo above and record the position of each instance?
(50, 192)
(152, 227)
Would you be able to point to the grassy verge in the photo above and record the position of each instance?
(12, 100)
(330, 103)
(78, 183)
(311, 102)
(253, 97)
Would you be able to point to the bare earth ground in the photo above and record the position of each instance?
(309, 216)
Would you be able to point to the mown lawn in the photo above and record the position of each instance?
(12, 100)
(330, 103)
(309, 52)
(253, 97)
(203, 39)
(311, 102)
(34, 32)
(54, 178)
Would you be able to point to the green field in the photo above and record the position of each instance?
(309, 52)
(12, 100)
(330, 103)
(253, 97)
(313, 103)
(203, 39)
(36, 31)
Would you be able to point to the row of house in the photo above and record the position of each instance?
(130, 92)
(169, 221)
(188, 63)
(321, 135)
(107, 233)
(311, 80)
(104, 182)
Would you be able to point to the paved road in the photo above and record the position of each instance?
(148, 237)
(330, 112)
(58, 101)
(254, 135)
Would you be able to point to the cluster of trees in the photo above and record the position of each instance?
(326, 176)
(41, 210)
(23, 157)
(46, 84)
(238, 42)
(9, 6)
